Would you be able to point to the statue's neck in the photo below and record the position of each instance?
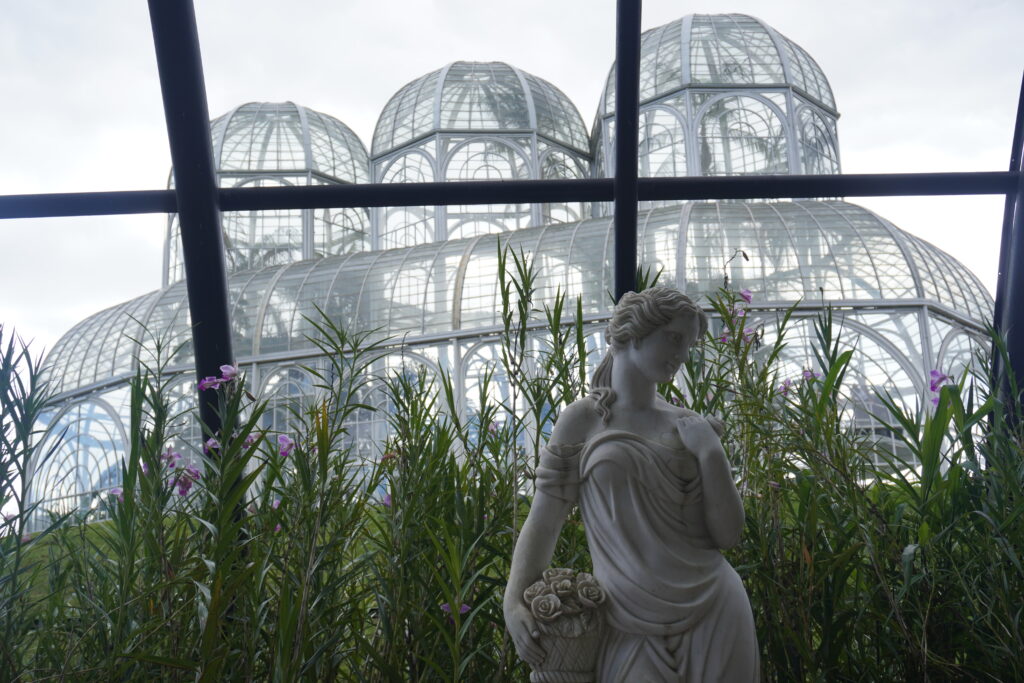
(632, 389)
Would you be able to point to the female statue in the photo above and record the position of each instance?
(658, 503)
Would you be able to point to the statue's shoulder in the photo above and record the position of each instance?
(576, 422)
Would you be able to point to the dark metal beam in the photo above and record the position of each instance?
(87, 204)
(179, 62)
(1009, 306)
(516, 192)
(627, 108)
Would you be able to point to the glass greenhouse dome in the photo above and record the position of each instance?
(265, 144)
(719, 94)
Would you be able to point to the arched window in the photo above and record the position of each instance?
(488, 159)
(405, 226)
(662, 144)
(818, 151)
(742, 136)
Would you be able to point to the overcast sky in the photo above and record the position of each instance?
(921, 85)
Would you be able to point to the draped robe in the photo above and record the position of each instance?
(676, 609)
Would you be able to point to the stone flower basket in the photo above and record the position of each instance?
(567, 608)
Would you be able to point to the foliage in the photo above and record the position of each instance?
(293, 557)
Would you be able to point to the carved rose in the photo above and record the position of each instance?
(546, 608)
(563, 588)
(590, 594)
(552, 575)
(537, 588)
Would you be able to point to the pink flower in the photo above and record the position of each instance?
(746, 295)
(276, 504)
(117, 491)
(210, 445)
(228, 372)
(210, 383)
(390, 455)
(286, 445)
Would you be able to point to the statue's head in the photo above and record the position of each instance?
(655, 328)
(638, 314)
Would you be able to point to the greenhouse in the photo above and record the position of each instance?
(720, 95)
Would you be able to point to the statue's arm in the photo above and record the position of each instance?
(557, 485)
(536, 543)
(723, 508)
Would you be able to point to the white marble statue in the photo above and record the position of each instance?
(658, 503)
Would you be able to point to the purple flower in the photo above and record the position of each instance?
(286, 445)
(492, 428)
(724, 339)
(277, 528)
(210, 445)
(145, 468)
(749, 335)
(172, 458)
(387, 500)
(184, 484)
(738, 312)
(935, 401)
(784, 387)
(811, 374)
(746, 295)
(774, 485)
(228, 372)
(276, 504)
(117, 491)
(938, 379)
(210, 383)
(193, 472)
(249, 440)
(447, 609)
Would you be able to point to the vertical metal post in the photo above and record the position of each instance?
(627, 106)
(1009, 305)
(179, 62)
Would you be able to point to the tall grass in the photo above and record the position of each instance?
(313, 563)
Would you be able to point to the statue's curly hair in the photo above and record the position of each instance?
(635, 316)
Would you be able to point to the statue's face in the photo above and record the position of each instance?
(659, 355)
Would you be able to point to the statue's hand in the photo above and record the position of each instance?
(523, 629)
(697, 435)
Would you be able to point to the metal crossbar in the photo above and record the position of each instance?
(518, 192)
